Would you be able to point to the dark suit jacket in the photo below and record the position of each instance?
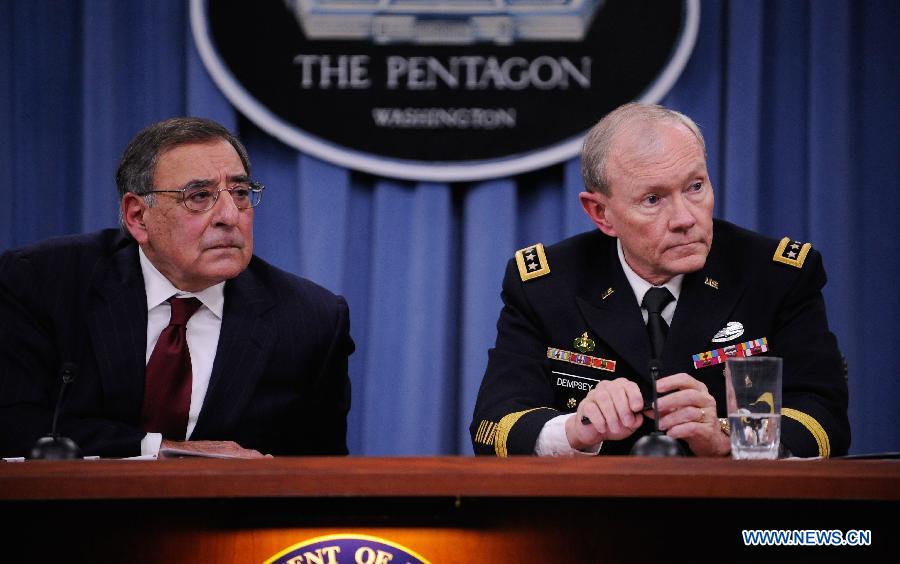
(279, 382)
(740, 282)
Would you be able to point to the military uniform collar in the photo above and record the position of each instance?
(640, 286)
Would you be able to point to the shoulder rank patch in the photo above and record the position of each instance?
(532, 262)
(792, 253)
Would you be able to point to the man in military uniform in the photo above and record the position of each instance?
(569, 373)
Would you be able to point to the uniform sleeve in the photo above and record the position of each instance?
(814, 389)
(514, 400)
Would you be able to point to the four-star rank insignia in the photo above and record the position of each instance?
(584, 344)
(791, 253)
(532, 262)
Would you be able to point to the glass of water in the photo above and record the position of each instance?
(753, 395)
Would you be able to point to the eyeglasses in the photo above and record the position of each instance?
(200, 198)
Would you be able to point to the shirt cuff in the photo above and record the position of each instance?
(150, 444)
(552, 440)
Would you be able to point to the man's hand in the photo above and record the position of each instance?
(614, 409)
(220, 448)
(688, 412)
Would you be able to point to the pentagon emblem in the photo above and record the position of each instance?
(421, 87)
(532, 262)
(791, 253)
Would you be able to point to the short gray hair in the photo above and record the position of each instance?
(138, 163)
(599, 140)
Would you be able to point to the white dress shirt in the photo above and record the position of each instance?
(552, 439)
(203, 330)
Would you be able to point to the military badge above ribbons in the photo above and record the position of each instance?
(584, 344)
(718, 356)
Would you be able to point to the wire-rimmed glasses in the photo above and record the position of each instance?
(202, 198)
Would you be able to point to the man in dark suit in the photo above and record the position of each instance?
(181, 338)
(569, 373)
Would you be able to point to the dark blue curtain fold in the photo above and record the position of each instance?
(797, 100)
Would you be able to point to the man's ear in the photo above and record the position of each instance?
(133, 208)
(595, 206)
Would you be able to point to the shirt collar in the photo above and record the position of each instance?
(159, 289)
(639, 285)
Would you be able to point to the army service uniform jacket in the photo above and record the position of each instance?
(570, 319)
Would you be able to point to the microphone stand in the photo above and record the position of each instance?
(656, 443)
(54, 446)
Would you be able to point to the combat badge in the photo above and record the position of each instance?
(584, 344)
(732, 330)
(532, 262)
(792, 253)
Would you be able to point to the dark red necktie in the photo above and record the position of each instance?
(167, 385)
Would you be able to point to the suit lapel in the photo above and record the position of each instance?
(244, 344)
(117, 327)
(616, 319)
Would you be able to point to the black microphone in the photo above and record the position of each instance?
(656, 443)
(53, 446)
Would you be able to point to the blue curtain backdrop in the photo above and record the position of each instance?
(798, 100)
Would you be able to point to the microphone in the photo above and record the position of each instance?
(656, 443)
(53, 446)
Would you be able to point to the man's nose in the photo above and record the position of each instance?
(682, 214)
(225, 211)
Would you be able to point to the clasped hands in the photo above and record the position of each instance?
(615, 409)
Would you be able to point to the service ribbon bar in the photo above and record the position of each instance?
(581, 359)
(718, 356)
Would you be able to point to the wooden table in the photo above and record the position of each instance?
(448, 509)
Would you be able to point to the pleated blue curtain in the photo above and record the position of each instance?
(797, 101)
